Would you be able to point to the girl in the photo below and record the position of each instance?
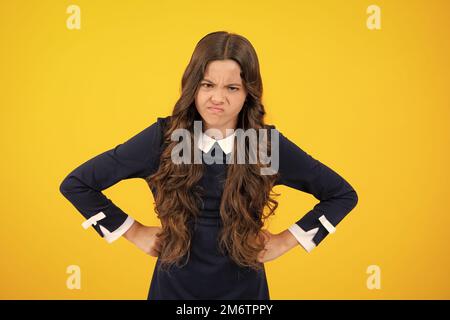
(211, 243)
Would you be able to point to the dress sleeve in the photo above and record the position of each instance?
(138, 157)
(299, 170)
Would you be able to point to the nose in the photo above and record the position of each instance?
(217, 97)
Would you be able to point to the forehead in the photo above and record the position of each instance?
(226, 70)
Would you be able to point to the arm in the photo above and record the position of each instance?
(337, 197)
(136, 158)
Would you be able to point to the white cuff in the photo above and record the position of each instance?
(330, 228)
(304, 237)
(116, 234)
(93, 220)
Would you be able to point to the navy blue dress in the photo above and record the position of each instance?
(208, 273)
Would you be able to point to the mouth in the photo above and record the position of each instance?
(215, 109)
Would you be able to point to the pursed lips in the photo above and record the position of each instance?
(215, 108)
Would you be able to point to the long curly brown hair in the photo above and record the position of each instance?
(247, 198)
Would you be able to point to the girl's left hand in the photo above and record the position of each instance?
(276, 245)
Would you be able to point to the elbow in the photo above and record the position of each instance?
(354, 198)
(349, 197)
(66, 186)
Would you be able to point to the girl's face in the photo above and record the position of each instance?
(221, 95)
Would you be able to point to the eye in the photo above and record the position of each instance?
(207, 85)
(234, 88)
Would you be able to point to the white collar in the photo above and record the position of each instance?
(205, 143)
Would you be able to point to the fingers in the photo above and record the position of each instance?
(156, 248)
(154, 253)
(261, 255)
(265, 236)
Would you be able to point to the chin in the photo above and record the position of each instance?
(212, 120)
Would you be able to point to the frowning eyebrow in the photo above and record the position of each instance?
(230, 84)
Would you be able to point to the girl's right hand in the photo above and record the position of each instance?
(145, 238)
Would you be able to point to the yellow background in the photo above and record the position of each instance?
(371, 104)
